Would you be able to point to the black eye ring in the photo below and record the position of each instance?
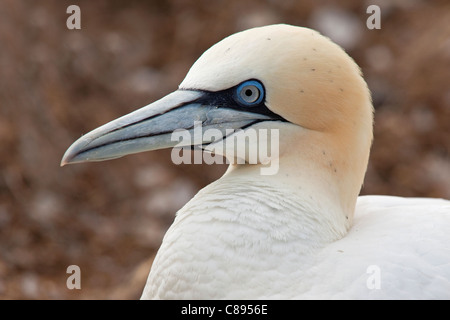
(250, 93)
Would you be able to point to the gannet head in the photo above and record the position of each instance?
(309, 80)
(278, 76)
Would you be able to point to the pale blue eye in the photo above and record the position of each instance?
(250, 93)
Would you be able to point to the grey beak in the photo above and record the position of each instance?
(151, 127)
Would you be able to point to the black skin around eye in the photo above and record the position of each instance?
(228, 99)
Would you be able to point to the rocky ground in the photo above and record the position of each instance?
(109, 218)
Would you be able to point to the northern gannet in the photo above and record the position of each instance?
(302, 232)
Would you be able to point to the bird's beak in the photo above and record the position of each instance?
(151, 127)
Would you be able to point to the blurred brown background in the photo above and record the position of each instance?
(109, 218)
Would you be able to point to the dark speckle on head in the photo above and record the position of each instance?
(313, 69)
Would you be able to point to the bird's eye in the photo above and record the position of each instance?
(250, 93)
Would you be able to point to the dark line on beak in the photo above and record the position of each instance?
(132, 138)
(243, 128)
(182, 104)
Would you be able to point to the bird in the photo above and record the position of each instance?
(301, 230)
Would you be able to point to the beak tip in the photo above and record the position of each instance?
(63, 163)
(65, 160)
(73, 153)
(68, 157)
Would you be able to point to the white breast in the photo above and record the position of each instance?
(255, 248)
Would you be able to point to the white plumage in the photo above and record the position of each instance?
(302, 232)
(239, 242)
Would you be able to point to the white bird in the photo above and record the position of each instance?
(302, 232)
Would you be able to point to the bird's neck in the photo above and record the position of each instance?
(305, 198)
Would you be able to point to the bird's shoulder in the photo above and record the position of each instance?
(397, 248)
